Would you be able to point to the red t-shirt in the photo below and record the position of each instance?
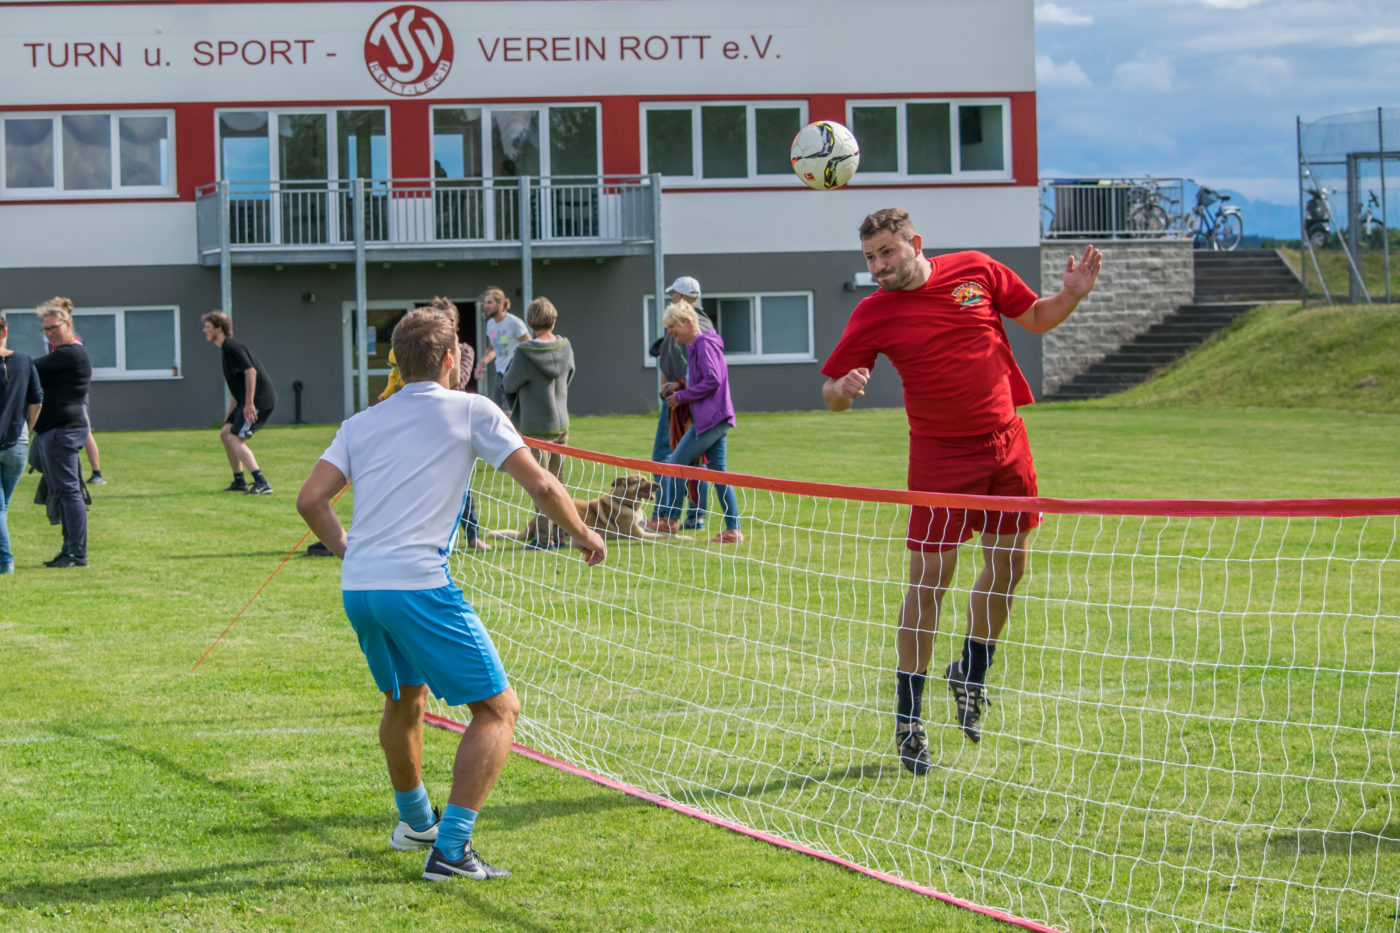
(947, 343)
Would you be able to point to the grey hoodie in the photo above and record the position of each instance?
(538, 378)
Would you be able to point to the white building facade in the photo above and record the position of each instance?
(319, 168)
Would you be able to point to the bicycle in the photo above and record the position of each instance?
(1219, 229)
(1147, 211)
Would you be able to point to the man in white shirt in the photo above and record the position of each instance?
(410, 458)
(504, 332)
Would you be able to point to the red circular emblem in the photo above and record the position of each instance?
(408, 50)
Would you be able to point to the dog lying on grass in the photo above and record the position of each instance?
(616, 515)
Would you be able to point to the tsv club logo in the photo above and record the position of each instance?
(408, 50)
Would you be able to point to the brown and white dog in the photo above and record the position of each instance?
(616, 514)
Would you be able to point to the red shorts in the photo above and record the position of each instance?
(996, 464)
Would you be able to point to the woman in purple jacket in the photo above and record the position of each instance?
(711, 414)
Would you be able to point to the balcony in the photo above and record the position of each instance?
(408, 219)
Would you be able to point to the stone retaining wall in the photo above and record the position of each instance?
(1141, 283)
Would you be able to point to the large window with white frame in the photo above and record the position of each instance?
(964, 139)
(721, 143)
(760, 327)
(87, 154)
(141, 342)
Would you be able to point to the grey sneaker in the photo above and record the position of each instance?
(969, 698)
(913, 747)
(471, 865)
(237, 485)
(96, 480)
(263, 488)
(406, 838)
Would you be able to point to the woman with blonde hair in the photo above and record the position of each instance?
(61, 430)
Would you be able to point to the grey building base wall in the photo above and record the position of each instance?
(1141, 283)
(601, 307)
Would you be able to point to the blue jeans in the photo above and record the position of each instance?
(58, 454)
(12, 463)
(660, 450)
(690, 446)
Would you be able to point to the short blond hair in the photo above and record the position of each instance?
(420, 339)
(58, 307)
(541, 314)
(678, 312)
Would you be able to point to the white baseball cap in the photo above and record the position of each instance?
(686, 285)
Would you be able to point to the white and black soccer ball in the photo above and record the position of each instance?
(825, 155)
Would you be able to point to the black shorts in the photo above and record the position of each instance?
(242, 429)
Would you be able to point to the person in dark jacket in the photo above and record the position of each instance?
(65, 373)
(538, 381)
(20, 401)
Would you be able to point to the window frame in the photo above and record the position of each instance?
(334, 170)
(956, 175)
(545, 147)
(120, 373)
(697, 177)
(117, 191)
(755, 358)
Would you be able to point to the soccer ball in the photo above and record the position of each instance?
(825, 155)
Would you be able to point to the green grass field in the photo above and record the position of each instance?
(250, 794)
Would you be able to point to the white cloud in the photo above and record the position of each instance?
(1259, 74)
(1049, 74)
(1232, 4)
(1054, 13)
(1148, 72)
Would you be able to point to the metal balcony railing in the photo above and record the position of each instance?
(1135, 208)
(291, 220)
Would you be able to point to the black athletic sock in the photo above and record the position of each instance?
(238, 477)
(258, 477)
(976, 658)
(908, 698)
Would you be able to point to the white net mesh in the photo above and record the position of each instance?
(1193, 719)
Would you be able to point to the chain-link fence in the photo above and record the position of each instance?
(1349, 188)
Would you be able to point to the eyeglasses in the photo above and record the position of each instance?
(49, 327)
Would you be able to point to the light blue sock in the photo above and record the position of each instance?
(455, 831)
(414, 807)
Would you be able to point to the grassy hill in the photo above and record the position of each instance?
(1337, 357)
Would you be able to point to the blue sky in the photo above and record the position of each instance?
(1205, 89)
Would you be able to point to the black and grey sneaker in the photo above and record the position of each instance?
(96, 479)
(237, 485)
(913, 747)
(406, 838)
(66, 560)
(260, 488)
(969, 698)
(471, 865)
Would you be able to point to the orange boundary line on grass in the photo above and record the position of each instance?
(658, 800)
(290, 554)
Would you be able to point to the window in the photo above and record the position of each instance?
(951, 139)
(88, 154)
(721, 143)
(767, 327)
(477, 142)
(122, 343)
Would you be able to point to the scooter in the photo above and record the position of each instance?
(1318, 217)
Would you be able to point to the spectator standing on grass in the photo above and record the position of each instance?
(253, 399)
(939, 320)
(538, 380)
(711, 414)
(504, 332)
(65, 373)
(410, 459)
(672, 422)
(90, 445)
(20, 401)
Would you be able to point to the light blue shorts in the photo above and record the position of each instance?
(433, 637)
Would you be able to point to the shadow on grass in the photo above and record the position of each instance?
(788, 781)
(1383, 840)
(240, 555)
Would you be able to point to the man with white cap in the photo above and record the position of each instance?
(670, 360)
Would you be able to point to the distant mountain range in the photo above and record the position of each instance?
(1265, 219)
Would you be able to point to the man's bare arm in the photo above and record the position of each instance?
(314, 504)
(551, 498)
(838, 394)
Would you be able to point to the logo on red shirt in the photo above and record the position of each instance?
(408, 50)
(969, 293)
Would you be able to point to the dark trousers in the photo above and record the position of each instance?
(58, 457)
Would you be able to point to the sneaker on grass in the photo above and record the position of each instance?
(968, 699)
(913, 747)
(237, 485)
(96, 479)
(406, 838)
(471, 865)
(263, 488)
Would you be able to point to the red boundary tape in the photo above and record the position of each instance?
(1301, 508)
(542, 758)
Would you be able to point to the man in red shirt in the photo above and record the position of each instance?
(939, 322)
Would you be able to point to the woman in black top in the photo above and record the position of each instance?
(62, 428)
(20, 398)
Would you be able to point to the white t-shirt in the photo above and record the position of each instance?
(505, 335)
(410, 458)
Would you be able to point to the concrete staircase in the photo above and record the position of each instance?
(1227, 284)
(1139, 359)
(1244, 275)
